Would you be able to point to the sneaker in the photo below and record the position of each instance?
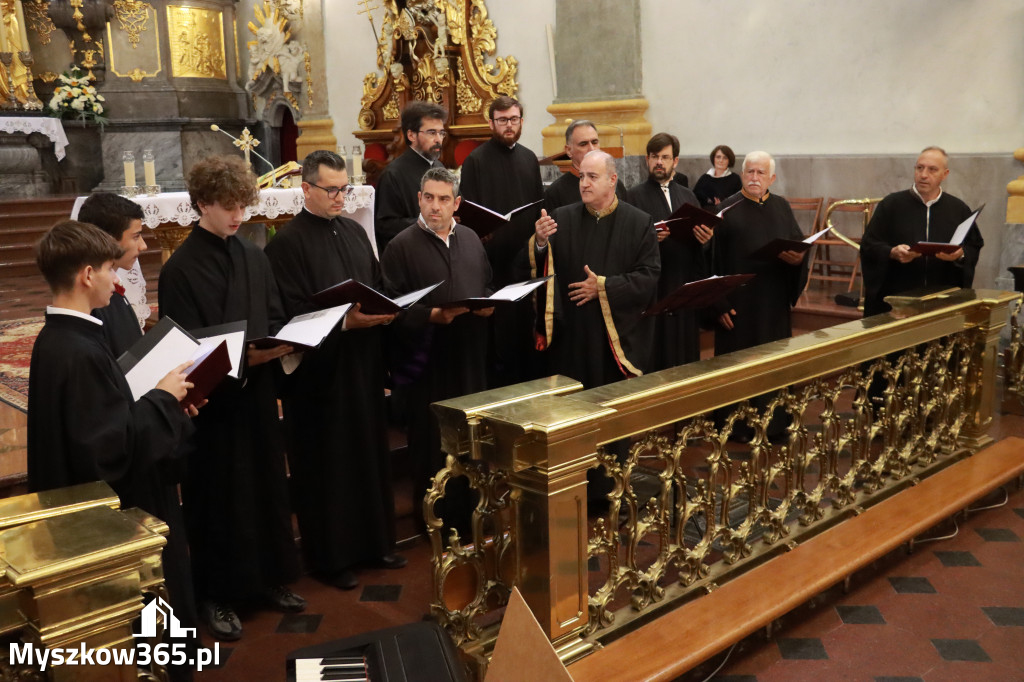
(221, 620)
(284, 600)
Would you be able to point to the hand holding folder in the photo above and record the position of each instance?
(776, 247)
(483, 220)
(509, 294)
(699, 294)
(954, 244)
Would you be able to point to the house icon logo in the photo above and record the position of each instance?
(173, 626)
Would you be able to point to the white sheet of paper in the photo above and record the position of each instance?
(814, 237)
(514, 292)
(174, 349)
(236, 341)
(413, 296)
(962, 228)
(312, 328)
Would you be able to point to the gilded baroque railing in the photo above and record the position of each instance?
(836, 420)
(1013, 362)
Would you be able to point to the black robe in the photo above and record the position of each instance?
(504, 179)
(677, 333)
(566, 190)
(763, 305)
(395, 204)
(120, 325)
(432, 362)
(606, 339)
(681, 179)
(709, 188)
(235, 494)
(900, 218)
(83, 426)
(334, 410)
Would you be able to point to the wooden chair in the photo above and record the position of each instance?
(827, 265)
(807, 212)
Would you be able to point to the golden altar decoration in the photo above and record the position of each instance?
(197, 42)
(436, 51)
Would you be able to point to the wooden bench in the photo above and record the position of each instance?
(689, 635)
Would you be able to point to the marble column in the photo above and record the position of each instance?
(597, 83)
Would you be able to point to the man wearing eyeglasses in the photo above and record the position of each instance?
(677, 334)
(396, 205)
(333, 402)
(503, 175)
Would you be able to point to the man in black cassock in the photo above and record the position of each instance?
(83, 423)
(395, 204)
(503, 175)
(760, 311)
(334, 411)
(580, 139)
(235, 493)
(922, 213)
(605, 261)
(122, 219)
(438, 353)
(677, 333)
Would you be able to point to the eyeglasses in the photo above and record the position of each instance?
(505, 120)
(434, 133)
(333, 192)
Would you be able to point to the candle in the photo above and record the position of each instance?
(357, 163)
(128, 159)
(22, 33)
(149, 167)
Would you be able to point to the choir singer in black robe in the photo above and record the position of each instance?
(122, 219)
(580, 139)
(922, 213)
(676, 333)
(395, 203)
(604, 256)
(334, 411)
(760, 311)
(438, 353)
(235, 493)
(503, 175)
(83, 423)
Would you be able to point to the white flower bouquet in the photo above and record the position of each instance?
(77, 98)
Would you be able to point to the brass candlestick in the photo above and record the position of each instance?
(33, 103)
(7, 58)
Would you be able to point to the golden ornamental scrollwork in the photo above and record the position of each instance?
(132, 16)
(465, 98)
(391, 110)
(47, 76)
(38, 18)
(1013, 357)
(691, 508)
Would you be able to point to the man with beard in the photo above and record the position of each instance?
(922, 213)
(395, 205)
(606, 265)
(334, 410)
(580, 139)
(677, 333)
(504, 175)
(439, 353)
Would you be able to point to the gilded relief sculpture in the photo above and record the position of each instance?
(278, 61)
(438, 51)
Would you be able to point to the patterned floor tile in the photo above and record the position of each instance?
(998, 535)
(912, 585)
(1005, 616)
(802, 649)
(299, 623)
(860, 615)
(381, 593)
(960, 650)
(950, 559)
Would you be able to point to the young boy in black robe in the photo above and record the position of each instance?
(83, 424)
(235, 493)
(334, 410)
(122, 219)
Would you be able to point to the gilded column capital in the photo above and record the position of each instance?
(1015, 202)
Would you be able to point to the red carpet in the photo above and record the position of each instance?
(16, 339)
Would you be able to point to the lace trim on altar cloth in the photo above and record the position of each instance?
(51, 127)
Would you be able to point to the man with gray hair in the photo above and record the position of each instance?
(919, 214)
(580, 139)
(604, 256)
(759, 312)
(437, 352)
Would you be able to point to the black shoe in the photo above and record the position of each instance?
(284, 600)
(343, 580)
(391, 561)
(221, 620)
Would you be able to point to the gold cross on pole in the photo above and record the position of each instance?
(246, 142)
(368, 6)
